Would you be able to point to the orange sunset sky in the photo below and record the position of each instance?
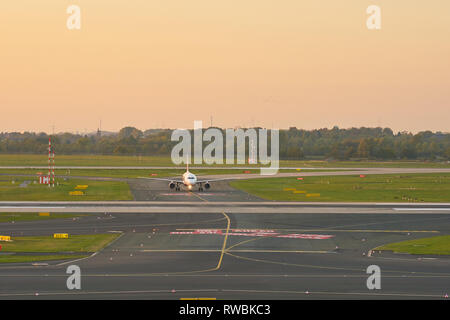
(149, 63)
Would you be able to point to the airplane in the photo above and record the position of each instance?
(189, 180)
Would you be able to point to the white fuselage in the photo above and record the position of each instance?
(189, 179)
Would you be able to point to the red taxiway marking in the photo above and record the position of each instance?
(256, 233)
(188, 194)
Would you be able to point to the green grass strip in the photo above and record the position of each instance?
(436, 246)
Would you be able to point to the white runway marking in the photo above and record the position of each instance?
(1, 207)
(421, 209)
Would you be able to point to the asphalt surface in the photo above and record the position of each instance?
(205, 246)
(226, 244)
(154, 190)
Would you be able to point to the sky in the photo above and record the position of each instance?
(165, 63)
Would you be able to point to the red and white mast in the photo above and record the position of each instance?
(49, 160)
(51, 164)
(53, 167)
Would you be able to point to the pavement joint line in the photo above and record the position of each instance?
(222, 291)
(319, 267)
(336, 293)
(106, 292)
(109, 275)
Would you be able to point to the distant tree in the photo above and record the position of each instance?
(369, 143)
(363, 149)
(294, 153)
(130, 132)
(121, 150)
(447, 153)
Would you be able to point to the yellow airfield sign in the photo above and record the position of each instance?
(61, 236)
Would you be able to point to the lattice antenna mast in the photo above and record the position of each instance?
(49, 159)
(53, 167)
(51, 164)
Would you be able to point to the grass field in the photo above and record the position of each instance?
(436, 245)
(32, 216)
(82, 244)
(97, 190)
(75, 243)
(103, 160)
(31, 258)
(135, 173)
(364, 164)
(82, 160)
(372, 188)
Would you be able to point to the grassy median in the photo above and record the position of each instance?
(33, 216)
(96, 190)
(53, 249)
(137, 161)
(370, 188)
(434, 246)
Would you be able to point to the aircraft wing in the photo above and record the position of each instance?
(163, 179)
(214, 180)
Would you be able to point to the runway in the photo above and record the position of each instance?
(235, 250)
(226, 244)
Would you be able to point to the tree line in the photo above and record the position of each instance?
(295, 144)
